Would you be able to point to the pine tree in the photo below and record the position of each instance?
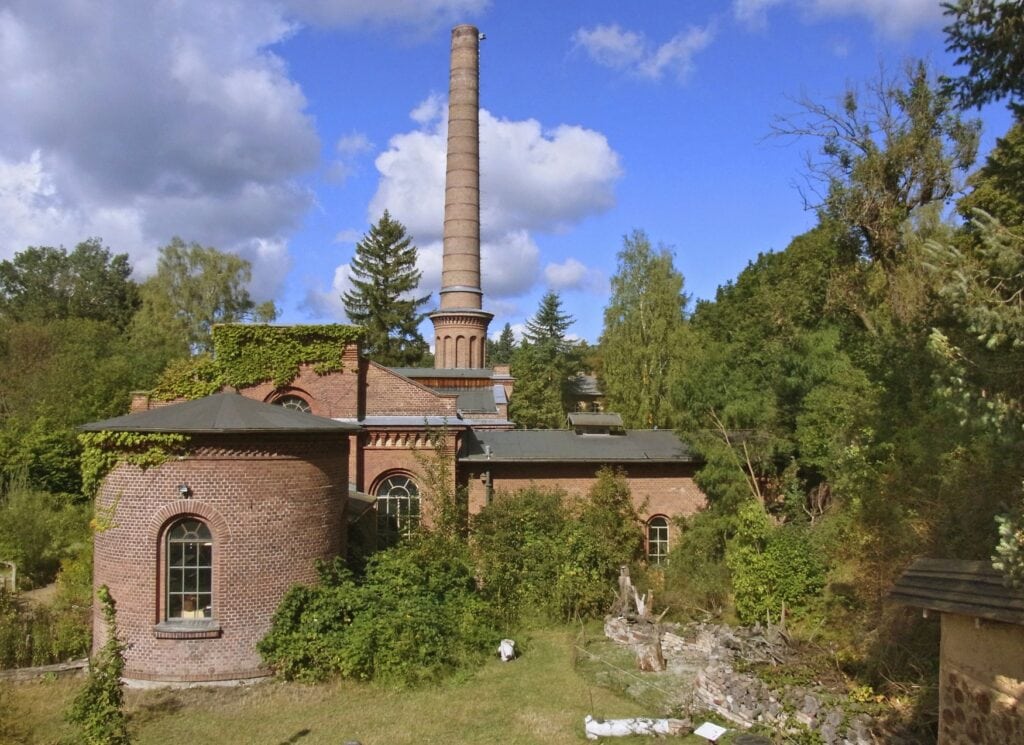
(545, 367)
(642, 327)
(383, 301)
(500, 352)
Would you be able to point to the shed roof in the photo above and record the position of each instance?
(970, 588)
(472, 399)
(457, 373)
(561, 446)
(221, 413)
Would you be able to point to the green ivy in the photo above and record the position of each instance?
(247, 354)
(101, 451)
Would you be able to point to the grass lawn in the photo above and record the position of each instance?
(540, 699)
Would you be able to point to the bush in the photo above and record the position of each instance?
(697, 580)
(772, 566)
(38, 530)
(536, 554)
(98, 708)
(415, 617)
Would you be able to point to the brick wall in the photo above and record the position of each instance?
(274, 506)
(389, 394)
(657, 488)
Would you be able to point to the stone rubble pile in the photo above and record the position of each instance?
(741, 697)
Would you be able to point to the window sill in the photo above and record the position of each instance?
(202, 629)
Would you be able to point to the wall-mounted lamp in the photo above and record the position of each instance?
(184, 491)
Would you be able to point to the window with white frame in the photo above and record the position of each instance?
(295, 403)
(189, 570)
(657, 540)
(398, 509)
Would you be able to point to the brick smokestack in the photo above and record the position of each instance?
(460, 325)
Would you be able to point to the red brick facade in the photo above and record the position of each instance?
(273, 505)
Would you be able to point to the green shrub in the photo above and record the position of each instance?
(98, 708)
(37, 530)
(772, 566)
(416, 616)
(697, 580)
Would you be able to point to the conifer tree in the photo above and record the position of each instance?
(383, 301)
(500, 352)
(545, 367)
(643, 327)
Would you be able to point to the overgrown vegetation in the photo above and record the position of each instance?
(436, 604)
(98, 709)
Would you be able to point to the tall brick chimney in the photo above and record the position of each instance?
(460, 325)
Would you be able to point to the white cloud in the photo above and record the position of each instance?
(573, 274)
(328, 303)
(349, 148)
(630, 51)
(422, 14)
(891, 17)
(186, 125)
(531, 180)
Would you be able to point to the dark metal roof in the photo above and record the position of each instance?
(581, 419)
(456, 373)
(471, 399)
(561, 446)
(970, 588)
(221, 412)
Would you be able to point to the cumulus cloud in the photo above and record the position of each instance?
(630, 51)
(422, 14)
(532, 180)
(139, 121)
(348, 151)
(327, 303)
(573, 274)
(891, 17)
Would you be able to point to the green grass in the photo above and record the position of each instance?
(540, 699)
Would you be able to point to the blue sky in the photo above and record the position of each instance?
(281, 130)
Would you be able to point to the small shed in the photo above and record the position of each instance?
(199, 549)
(981, 656)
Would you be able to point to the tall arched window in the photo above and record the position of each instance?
(398, 509)
(189, 570)
(657, 540)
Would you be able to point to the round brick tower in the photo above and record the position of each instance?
(199, 551)
(460, 325)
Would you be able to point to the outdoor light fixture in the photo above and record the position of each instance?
(184, 491)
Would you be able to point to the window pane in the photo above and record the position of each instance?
(174, 606)
(189, 570)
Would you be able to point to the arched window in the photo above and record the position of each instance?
(296, 403)
(398, 509)
(189, 570)
(657, 540)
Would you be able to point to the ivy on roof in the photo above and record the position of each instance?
(248, 354)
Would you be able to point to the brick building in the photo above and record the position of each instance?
(201, 549)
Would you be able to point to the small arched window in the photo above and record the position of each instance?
(189, 570)
(657, 540)
(398, 509)
(295, 403)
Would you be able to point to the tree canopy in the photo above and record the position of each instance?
(383, 298)
(643, 336)
(988, 36)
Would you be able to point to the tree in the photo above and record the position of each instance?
(383, 299)
(888, 153)
(500, 352)
(643, 325)
(998, 186)
(194, 288)
(989, 37)
(44, 284)
(545, 366)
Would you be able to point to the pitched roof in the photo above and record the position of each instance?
(472, 399)
(459, 373)
(560, 446)
(222, 413)
(970, 588)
